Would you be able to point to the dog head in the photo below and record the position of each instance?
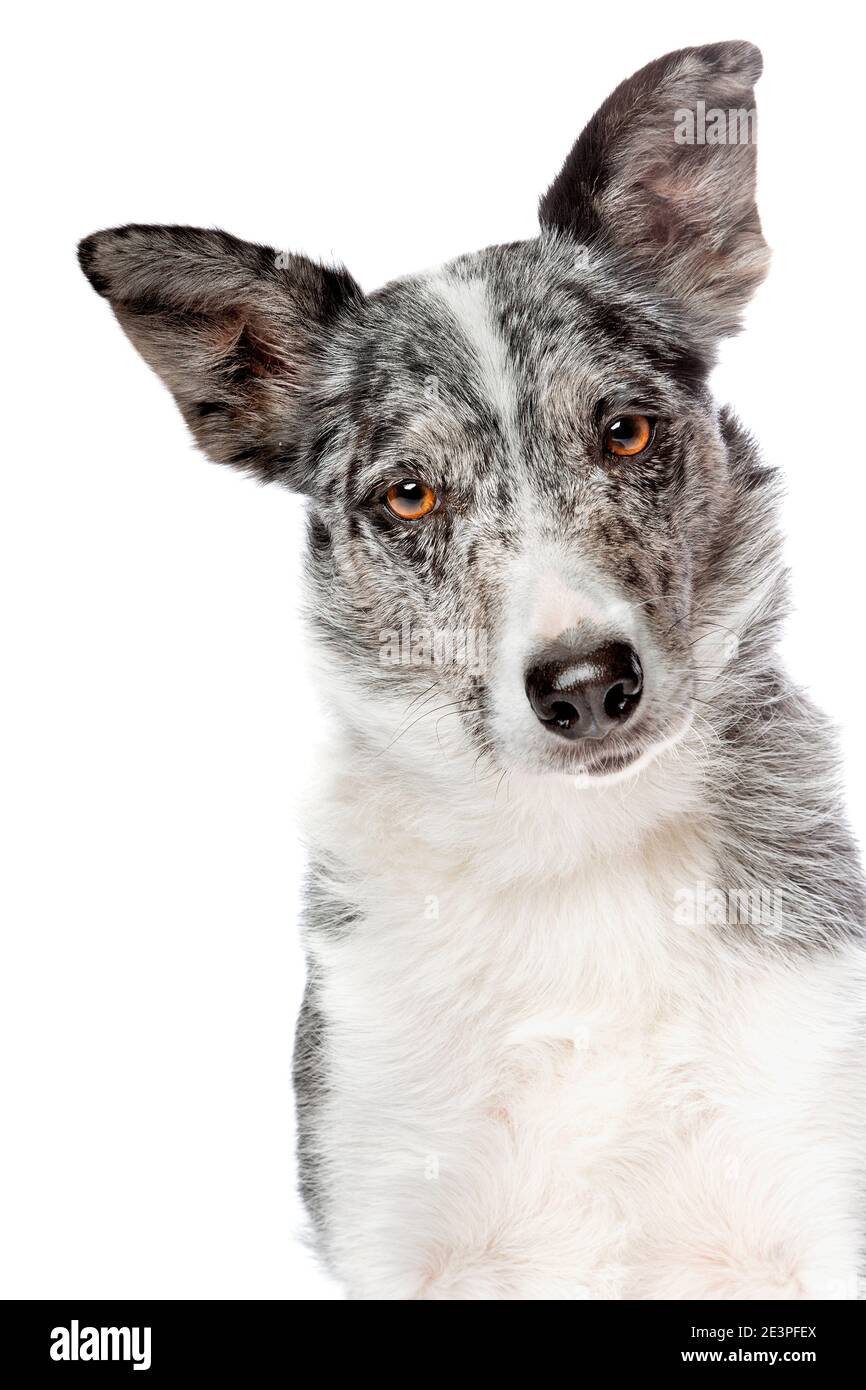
(522, 500)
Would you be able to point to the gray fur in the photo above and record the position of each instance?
(647, 254)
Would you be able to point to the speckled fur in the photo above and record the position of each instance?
(522, 1073)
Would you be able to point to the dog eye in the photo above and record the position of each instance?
(628, 436)
(410, 499)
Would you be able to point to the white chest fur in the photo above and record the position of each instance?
(550, 1088)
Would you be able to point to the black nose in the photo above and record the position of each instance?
(584, 695)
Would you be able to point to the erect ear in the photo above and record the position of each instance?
(665, 174)
(234, 330)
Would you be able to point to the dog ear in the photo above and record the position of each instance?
(665, 173)
(233, 329)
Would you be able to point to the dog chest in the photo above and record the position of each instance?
(565, 1006)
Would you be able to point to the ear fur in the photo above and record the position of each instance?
(664, 174)
(233, 329)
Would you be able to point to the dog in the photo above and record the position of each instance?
(585, 1006)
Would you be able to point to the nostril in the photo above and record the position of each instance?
(562, 714)
(616, 702)
(620, 698)
(548, 699)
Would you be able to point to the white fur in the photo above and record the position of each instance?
(540, 1085)
(467, 301)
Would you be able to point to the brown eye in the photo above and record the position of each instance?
(410, 499)
(627, 436)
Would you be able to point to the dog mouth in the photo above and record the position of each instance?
(623, 750)
(612, 763)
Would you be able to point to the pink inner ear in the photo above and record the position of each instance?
(681, 198)
(243, 338)
(263, 358)
(224, 329)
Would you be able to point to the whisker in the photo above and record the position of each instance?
(451, 714)
(426, 715)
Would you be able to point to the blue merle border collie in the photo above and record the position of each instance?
(585, 1008)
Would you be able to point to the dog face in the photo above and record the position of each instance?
(518, 484)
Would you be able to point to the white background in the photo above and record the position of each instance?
(157, 721)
